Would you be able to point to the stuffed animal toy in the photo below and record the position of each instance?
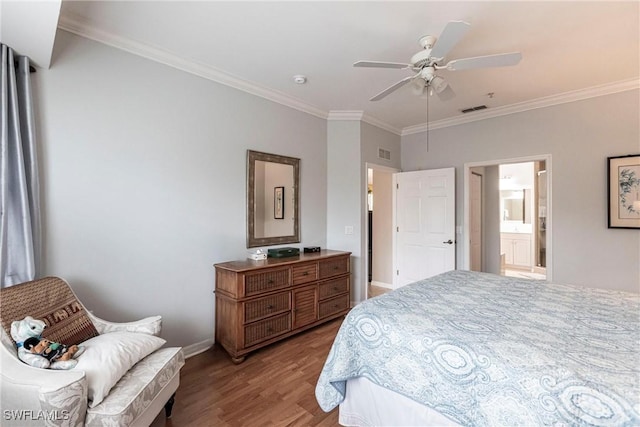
(52, 351)
(38, 352)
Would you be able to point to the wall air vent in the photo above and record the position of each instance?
(384, 154)
(479, 107)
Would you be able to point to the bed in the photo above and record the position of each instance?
(466, 348)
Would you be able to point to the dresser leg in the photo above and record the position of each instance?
(237, 360)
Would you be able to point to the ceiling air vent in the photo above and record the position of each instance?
(479, 107)
(384, 154)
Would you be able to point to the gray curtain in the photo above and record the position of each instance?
(19, 190)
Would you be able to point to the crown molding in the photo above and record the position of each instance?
(75, 26)
(576, 95)
(382, 125)
(345, 115)
(359, 115)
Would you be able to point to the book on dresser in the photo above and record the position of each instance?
(261, 302)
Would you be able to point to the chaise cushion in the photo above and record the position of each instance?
(52, 301)
(133, 394)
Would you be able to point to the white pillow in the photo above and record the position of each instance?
(109, 356)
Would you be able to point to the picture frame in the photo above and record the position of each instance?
(623, 191)
(278, 202)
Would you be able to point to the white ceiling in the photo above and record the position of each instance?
(567, 47)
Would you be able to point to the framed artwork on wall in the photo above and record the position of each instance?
(278, 202)
(623, 177)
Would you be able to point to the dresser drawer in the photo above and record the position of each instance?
(333, 267)
(265, 329)
(258, 283)
(267, 306)
(333, 306)
(304, 273)
(333, 288)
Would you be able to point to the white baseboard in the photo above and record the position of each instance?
(197, 348)
(382, 284)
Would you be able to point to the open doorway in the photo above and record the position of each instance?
(379, 236)
(507, 217)
(522, 217)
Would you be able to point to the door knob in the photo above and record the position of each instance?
(449, 242)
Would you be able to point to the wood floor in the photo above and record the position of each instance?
(524, 273)
(375, 291)
(274, 386)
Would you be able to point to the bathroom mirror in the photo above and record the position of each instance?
(272, 199)
(513, 210)
(514, 206)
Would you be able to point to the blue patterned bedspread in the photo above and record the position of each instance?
(486, 350)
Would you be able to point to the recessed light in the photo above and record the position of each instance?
(300, 79)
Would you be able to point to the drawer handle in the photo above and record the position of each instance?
(336, 268)
(306, 273)
(270, 307)
(336, 305)
(270, 281)
(269, 329)
(335, 288)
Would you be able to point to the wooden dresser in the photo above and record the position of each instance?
(261, 302)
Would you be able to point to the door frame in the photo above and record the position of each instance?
(481, 220)
(467, 193)
(365, 240)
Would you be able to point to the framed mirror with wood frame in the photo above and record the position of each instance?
(273, 183)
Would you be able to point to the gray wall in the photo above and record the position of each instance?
(491, 220)
(579, 136)
(144, 181)
(344, 183)
(372, 138)
(350, 145)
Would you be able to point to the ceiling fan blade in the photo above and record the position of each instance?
(451, 35)
(392, 88)
(500, 60)
(378, 64)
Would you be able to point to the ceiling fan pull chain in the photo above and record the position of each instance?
(427, 123)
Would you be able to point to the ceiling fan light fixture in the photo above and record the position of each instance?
(418, 86)
(438, 84)
(428, 74)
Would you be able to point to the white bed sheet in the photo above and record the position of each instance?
(368, 404)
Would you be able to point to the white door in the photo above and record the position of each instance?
(425, 220)
(475, 222)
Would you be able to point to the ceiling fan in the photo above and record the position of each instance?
(425, 63)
